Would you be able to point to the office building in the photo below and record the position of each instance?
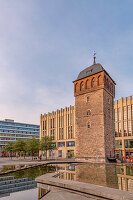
(61, 126)
(123, 109)
(10, 131)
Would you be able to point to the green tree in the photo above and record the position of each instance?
(46, 144)
(32, 146)
(20, 147)
(9, 148)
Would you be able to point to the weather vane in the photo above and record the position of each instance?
(94, 56)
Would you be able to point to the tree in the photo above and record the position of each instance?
(20, 146)
(46, 144)
(9, 148)
(32, 146)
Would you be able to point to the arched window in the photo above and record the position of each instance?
(99, 80)
(88, 112)
(111, 85)
(76, 85)
(93, 83)
(107, 84)
(87, 99)
(88, 125)
(81, 85)
(87, 84)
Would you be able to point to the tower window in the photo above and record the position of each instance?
(109, 101)
(88, 125)
(88, 112)
(81, 86)
(93, 82)
(88, 98)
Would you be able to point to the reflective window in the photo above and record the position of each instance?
(61, 144)
(71, 144)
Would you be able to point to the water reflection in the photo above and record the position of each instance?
(114, 176)
(110, 175)
(33, 172)
(125, 178)
(17, 182)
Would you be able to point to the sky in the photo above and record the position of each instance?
(44, 45)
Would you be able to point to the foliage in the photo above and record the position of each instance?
(9, 147)
(20, 145)
(32, 146)
(46, 144)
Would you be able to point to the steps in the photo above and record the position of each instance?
(9, 184)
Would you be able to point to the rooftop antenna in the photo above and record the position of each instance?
(94, 56)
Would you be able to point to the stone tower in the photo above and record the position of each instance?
(94, 92)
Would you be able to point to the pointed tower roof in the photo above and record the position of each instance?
(91, 70)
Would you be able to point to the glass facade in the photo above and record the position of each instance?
(11, 131)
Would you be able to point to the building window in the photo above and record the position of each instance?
(88, 125)
(119, 114)
(116, 115)
(128, 143)
(132, 109)
(87, 84)
(98, 80)
(118, 144)
(45, 124)
(62, 134)
(93, 83)
(53, 144)
(76, 85)
(108, 100)
(53, 122)
(68, 120)
(61, 144)
(129, 112)
(129, 128)
(116, 129)
(87, 99)
(70, 144)
(125, 113)
(125, 128)
(81, 86)
(120, 130)
(68, 132)
(71, 132)
(88, 112)
(62, 121)
(71, 119)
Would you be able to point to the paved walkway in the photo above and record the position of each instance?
(63, 195)
(29, 161)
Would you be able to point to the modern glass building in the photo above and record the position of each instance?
(10, 131)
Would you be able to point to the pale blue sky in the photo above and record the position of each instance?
(44, 44)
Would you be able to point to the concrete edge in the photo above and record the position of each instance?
(90, 189)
